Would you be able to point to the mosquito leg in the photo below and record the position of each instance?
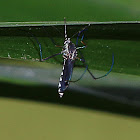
(82, 41)
(85, 28)
(80, 47)
(82, 38)
(41, 59)
(40, 49)
(109, 70)
(86, 68)
(79, 33)
(35, 38)
(52, 40)
(104, 74)
(80, 59)
(51, 56)
(58, 46)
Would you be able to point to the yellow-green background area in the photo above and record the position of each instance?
(31, 120)
(35, 112)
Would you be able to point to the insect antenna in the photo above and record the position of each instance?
(65, 28)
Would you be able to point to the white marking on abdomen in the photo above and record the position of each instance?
(62, 73)
(61, 94)
(59, 85)
(60, 79)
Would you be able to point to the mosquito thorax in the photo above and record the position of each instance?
(67, 41)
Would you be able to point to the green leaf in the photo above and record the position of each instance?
(103, 39)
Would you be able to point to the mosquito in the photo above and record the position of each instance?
(70, 55)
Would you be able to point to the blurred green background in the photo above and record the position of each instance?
(80, 10)
(106, 109)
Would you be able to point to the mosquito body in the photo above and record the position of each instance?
(69, 56)
(70, 53)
